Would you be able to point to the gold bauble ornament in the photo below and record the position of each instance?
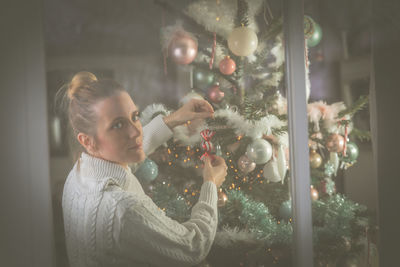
(315, 159)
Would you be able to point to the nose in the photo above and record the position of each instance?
(134, 129)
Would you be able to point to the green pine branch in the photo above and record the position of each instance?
(360, 104)
(272, 30)
(362, 135)
(242, 17)
(279, 131)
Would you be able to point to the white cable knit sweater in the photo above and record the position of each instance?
(110, 221)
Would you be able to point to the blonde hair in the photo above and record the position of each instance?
(77, 98)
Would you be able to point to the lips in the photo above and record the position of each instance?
(137, 146)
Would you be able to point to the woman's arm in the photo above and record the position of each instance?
(159, 130)
(155, 133)
(145, 233)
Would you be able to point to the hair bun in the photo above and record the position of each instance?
(81, 79)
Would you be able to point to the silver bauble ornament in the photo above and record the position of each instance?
(260, 151)
(245, 164)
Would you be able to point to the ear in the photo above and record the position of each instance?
(87, 142)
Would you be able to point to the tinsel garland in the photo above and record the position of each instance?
(257, 219)
(334, 218)
(167, 198)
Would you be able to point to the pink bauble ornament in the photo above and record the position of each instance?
(227, 66)
(245, 164)
(335, 143)
(182, 49)
(214, 94)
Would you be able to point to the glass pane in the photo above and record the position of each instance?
(230, 53)
(161, 52)
(343, 188)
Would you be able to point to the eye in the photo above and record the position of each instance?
(136, 116)
(118, 125)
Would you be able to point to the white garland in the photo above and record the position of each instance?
(241, 126)
(253, 129)
(273, 79)
(182, 134)
(205, 13)
(148, 113)
(278, 52)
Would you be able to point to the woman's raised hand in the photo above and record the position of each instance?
(214, 170)
(193, 110)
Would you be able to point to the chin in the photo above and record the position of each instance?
(136, 157)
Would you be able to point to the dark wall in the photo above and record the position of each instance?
(385, 125)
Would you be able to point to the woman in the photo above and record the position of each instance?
(108, 219)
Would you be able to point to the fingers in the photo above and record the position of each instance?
(202, 105)
(215, 162)
(219, 161)
(203, 115)
(207, 162)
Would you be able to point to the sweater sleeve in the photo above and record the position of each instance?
(146, 234)
(155, 133)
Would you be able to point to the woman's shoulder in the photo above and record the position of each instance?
(131, 203)
(123, 198)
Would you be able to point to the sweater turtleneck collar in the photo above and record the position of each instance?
(102, 170)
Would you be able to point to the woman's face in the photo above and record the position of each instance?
(119, 133)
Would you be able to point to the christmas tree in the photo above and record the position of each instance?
(237, 64)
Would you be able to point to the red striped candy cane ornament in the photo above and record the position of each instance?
(213, 50)
(206, 143)
(345, 139)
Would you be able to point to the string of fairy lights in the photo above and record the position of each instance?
(189, 157)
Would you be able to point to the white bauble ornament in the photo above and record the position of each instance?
(281, 162)
(191, 95)
(271, 171)
(260, 151)
(242, 41)
(334, 160)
